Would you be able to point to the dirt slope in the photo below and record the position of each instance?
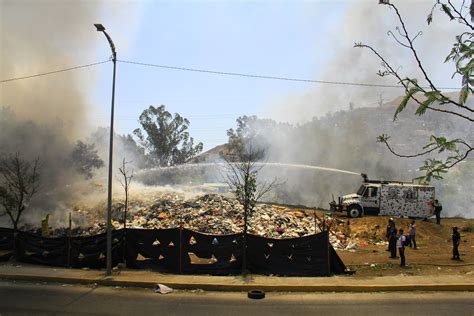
(432, 256)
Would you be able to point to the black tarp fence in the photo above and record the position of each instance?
(303, 256)
(179, 250)
(6, 243)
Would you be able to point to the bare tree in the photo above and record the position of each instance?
(125, 181)
(429, 97)
(19, 182)
(242, 178)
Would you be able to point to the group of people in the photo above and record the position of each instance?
(397, 239)
(400, 240)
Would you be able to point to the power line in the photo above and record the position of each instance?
(54, 71)
(236, 74)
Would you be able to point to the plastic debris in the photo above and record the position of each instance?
(162, 289)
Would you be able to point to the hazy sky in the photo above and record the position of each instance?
(257, 37)
(300, 39)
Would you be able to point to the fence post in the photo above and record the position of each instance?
(181, 248)
(328, 244)
(69, 242)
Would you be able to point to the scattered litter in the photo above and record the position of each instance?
(121, 265)
(162, 289)
(197, 291)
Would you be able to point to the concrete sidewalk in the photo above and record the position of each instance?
(149, 279)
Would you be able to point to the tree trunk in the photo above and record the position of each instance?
(244, 249)
(16, 250)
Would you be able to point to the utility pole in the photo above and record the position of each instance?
(101, 28)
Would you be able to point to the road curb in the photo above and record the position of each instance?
(113, 281)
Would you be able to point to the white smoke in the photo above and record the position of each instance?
(368, 22)
(44, 116)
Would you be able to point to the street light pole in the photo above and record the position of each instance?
(101, 28)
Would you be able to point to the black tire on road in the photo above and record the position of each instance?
(256, 294)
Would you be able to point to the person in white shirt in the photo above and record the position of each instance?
(401, 247)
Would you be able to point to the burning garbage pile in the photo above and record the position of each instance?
(211, 214)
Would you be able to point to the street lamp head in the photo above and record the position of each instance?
(99, 27)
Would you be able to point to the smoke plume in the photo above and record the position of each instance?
(44, 116)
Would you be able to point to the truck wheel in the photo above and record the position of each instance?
(354, 212)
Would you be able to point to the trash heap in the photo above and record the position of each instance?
(213, 214)
(221, 215)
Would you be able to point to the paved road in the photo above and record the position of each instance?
(57, 299)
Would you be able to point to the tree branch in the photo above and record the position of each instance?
(401, 81)
(420, 66)
(385, 141)
(460, 16)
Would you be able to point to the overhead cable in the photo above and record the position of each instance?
(268, 77)
(54, 71)
(224, 73)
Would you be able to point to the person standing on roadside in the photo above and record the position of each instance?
(401, 247)
(387, 232)
(437, 209)
(412, 235)
(456, 238)
(392, 239)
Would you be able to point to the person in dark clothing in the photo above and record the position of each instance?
(456, 238)
(392, 240)
(402, 239)
(387, 232)
(437, 210)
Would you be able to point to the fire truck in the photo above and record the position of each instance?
(391, 198)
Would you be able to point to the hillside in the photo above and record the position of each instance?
(347, 140)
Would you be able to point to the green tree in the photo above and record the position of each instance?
(441, 153)
(248, 131)
(85, 158)
(165, 137)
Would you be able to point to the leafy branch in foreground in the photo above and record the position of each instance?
(428, 97)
